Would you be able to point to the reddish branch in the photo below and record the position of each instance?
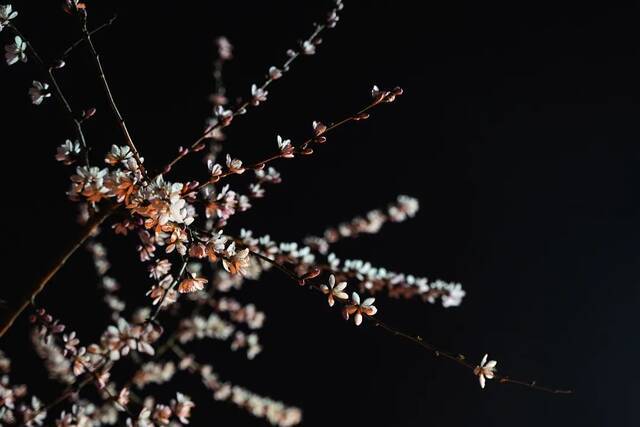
(319, 137)
(198, 145)
(14, 311)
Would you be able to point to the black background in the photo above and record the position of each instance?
(518, 133)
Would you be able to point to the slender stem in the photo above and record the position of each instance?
(107, 89)
(69, 391)
(277, 265)
(303, 146)
(416, 339)
(78, 42)
(12, 314)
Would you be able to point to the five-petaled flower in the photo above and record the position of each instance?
(486, 370)
(333, 291)
(118, 154)
(38, 92)
(68, 152)
(192, 284)
(237, 263)
(358, 309)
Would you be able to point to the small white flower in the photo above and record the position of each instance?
(375, 91)
(357, 308)
(319, 128)
(225, 49)
(15, 51)
(486, 370)
(182, 406)
(223, 116)
(235, 165)
(333, 291)
(6, 14)
(308, 48)
(258, 95)
(118, 154)
(285, 147)
(68, 152)
(214, 168)
(238, 262)
(192, 284)
(38, 92)
(333, 18)
(275, 73)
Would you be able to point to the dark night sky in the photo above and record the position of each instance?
(518, 132)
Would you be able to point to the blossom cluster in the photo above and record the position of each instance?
(277, 413)
(15, 404)
(194, 265)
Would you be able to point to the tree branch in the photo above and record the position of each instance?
(13, 312)
(243, 106)
(78, 42)
(416, 339)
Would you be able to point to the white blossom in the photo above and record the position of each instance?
(215, 169)
(258, 94)
(118, 154)
(225, 49)
(38, 92)
(486, 370)
(68, 152)
(275, 73)
(6, 14)
(182, 406)
(192, 284)
(15, 51)
(234, 165)
(358, 308)
(308, 48)
(285, 147)
(333, 291)
(376, 92)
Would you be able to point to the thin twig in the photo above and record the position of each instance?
(78, 42)
(242, 108)
(57, 90)
(12, 314)
(303, 147)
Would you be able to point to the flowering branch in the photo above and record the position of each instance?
(259, 94)
(288, 150)
(183, 221)
(416, 339)
(48, 71)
